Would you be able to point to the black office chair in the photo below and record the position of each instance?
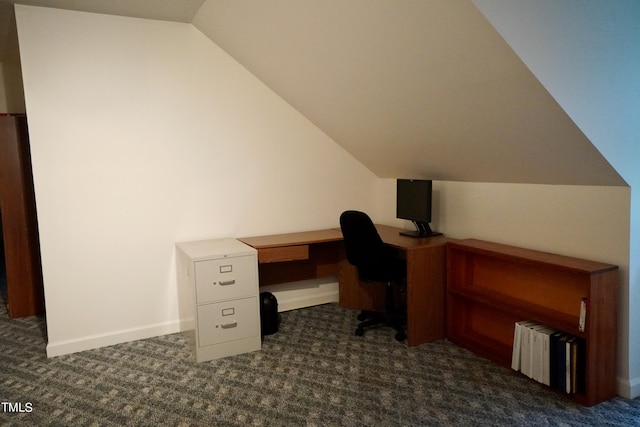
(375, 262)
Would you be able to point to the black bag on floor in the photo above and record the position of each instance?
(268, 313)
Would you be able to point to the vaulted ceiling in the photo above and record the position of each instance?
(411, 88)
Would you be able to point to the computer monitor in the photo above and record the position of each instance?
(413, 202)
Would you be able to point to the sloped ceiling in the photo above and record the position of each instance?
(423, 88)
(411, 88)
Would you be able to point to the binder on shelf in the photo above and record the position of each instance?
(536, 348)
(526, 351)
(544, 336)
(515, 350)
(555, 355)
(516, 355)
(561, 362)
(583, 314)
(569, 374)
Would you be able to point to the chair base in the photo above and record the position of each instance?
(370, 319)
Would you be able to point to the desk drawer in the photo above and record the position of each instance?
(228, 321)
(283, 253)
(225, 278)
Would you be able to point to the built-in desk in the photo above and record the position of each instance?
(292, 257)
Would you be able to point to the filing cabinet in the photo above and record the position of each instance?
(218, 297)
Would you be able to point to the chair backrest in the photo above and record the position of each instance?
(363, 245)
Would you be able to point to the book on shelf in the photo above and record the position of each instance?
(569, 374)
(516, 356)
(544, 351)
(525, 350)
(583, 315)
(556, 353)
(536, 349)
(561, 362)
(549, 356)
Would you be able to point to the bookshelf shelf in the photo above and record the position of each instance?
(491, 286)
(523, 309)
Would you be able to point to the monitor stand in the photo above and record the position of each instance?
(422, 230)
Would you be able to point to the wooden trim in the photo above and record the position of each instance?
(19, 224)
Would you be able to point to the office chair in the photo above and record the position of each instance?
(375, 262)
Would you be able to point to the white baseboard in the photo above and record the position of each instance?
(290, 296)
(60, 348)
(630, 389)
(295, 295)
(634, 388)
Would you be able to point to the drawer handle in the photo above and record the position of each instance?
(229, 325)
(227, 282)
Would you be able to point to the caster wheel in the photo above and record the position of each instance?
(400, 336)
(359, 332)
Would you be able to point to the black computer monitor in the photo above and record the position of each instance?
(413, 202)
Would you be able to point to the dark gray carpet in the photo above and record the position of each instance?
(313, 372)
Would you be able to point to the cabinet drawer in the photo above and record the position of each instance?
(228, 321)
(225, 278)
(283, 253)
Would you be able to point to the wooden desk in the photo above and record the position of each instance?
(298, 256)
(292, 257)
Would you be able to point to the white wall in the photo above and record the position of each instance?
(580, 221)
(586, 53)
(144, 133)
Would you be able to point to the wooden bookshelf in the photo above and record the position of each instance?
(491, 286)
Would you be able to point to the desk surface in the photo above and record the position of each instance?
(390, 235)
(292, 239)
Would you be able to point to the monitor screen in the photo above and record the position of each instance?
(413, 200)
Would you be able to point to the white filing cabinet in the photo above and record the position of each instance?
(218, 297)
